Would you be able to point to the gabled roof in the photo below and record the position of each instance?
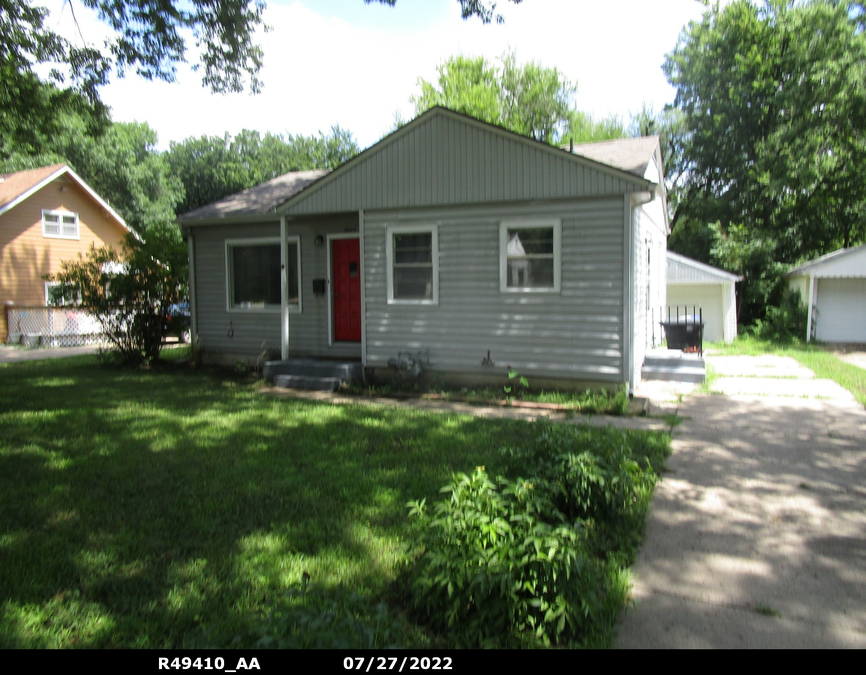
(846, 262)
(682, 270)
(18, 186)
(629, 154)
(443, 157)
(257, 200)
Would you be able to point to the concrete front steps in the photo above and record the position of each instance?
(313, 374)
(673, 365)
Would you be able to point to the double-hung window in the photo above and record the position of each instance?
(60, 224)
(253, 274)
(412, 252)
(530, 256)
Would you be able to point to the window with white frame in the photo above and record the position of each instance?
(530, 255)
(60, 224)
(253, 280)
(413, 263)
(58, 296)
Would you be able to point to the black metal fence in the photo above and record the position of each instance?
(683, 326)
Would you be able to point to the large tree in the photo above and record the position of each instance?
(774, 101)
(212, 167)
(527, 98)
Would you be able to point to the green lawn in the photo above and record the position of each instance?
(818, 358)
(151, 508)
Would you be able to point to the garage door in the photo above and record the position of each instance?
(706, 296)
(841, 310)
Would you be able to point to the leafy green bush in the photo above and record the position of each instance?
(587, 472)
(496, 571)
(785, 323)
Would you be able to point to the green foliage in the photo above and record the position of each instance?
(214, 167)
(774, 101)
(496, 571)
(587, 473)
(527, 99)
(540, 560)
(129, 292)
(784, 323)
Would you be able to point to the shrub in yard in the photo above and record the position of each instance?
(588, 473)
(501, 566)
(129, 292)
(785, 323)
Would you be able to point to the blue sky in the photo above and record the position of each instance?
(347, 63)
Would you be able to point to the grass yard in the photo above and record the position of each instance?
(166, 508)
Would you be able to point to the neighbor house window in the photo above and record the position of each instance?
(60, 224)
(55, 296)
(253, 274)
(413, 263)
(530, 255)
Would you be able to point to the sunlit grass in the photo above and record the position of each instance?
(148, 508)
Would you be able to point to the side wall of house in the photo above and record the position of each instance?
(26, 256)
(574, 334)
(229, 336)
(650, 289)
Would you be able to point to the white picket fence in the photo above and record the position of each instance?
(52, 327)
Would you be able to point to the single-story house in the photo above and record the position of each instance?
(833, 287)
(698, 288)
(47, 215)
(452, 245)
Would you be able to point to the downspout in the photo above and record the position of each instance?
(638, 199)
(193, 305)
(284, 292)
(809, 307)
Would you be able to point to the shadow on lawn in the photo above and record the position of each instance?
(140, 506)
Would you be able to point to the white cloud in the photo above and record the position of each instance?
(326, 65)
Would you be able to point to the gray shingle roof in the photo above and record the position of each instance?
(629, 154)
(257, 200)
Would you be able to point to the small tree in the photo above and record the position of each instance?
(130, 291)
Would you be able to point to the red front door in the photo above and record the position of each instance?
(346, 260)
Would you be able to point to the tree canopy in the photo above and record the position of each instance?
(528, 98)
(773, 98)
(213, 167)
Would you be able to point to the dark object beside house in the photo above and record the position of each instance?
(176, 322)
(686, 333)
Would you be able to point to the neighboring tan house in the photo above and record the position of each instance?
(700, 289)
(47, 215)
(453, 246)
(833, 287)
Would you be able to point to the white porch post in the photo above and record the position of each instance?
(284, 291)
(809, 307)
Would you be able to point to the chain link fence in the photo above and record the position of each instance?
(52, 327)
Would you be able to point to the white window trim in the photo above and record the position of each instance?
(262, 241)
(390, 231)
(524, 224)
(54, 284)
(60, 235)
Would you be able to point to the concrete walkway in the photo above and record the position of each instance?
(757, 534)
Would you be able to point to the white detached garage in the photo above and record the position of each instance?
(692, 284)
(836, 284)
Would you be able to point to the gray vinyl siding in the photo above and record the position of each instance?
(247, 335)
(448, 161)
(574, 334)
(682, 273)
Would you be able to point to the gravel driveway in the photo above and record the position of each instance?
(757, 534)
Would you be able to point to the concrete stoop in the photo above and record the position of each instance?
(313, 374)
(672, 365)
